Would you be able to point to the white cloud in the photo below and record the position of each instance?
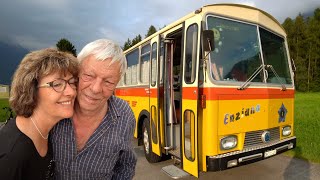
(111, 34)
(30, 42)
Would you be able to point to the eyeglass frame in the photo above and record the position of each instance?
(50, 84)
(110, 86)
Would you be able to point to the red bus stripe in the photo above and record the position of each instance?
(215, 93)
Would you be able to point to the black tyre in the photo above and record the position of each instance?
(146, 137)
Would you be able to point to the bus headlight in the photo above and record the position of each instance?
(286, 131)
(228, 142)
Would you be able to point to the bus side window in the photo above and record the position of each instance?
(191, 53)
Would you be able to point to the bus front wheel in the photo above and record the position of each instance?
(146, 135)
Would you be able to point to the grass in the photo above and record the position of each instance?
(307, 125)
(3, 103)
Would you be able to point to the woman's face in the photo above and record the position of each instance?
(53, 104)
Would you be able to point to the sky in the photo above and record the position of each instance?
(36, 24)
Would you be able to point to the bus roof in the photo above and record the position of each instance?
(248, 14)
(228, 10)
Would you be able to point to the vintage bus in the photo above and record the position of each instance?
(213, 90)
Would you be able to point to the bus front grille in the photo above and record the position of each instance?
(253, 138)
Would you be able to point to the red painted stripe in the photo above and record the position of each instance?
(133, 91)
(213, 93)
(254, 93)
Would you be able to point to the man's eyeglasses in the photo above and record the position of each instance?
(60, 85)
(106, 83)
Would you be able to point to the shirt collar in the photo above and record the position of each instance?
(112, 109)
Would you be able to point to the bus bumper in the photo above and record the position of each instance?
(238, 158)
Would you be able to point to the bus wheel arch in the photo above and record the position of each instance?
(147, 147)
(143, 114)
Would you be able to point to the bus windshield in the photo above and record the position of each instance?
(236, 55)
(275, 54)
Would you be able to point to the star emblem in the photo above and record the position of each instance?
(282, 113)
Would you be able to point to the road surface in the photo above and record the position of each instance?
(278, 167)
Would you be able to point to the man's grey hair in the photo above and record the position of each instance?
(103, 49)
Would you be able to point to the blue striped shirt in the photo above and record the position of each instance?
(108, 154)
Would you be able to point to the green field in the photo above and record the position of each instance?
(3, 103)
(307, 125)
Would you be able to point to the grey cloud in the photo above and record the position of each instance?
(38, 24)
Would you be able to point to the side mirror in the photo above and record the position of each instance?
(208, 40)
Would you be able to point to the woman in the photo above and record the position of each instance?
(42, 93)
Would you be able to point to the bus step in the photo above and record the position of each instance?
(175, 152)
(174, 172)
(176, 161)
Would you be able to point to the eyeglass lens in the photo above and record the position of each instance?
(59, 85)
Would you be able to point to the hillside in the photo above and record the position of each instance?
(10, 57)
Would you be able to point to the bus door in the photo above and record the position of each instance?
(154, 98)
(190, 91)
(170, 67)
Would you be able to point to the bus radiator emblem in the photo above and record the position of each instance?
(266, 136)
(282, 113)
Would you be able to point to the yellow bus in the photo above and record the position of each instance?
(213, 90)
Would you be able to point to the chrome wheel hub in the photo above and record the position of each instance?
(146, 140)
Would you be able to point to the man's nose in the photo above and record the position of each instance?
(96, 86)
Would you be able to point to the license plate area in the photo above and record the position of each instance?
(270, 153)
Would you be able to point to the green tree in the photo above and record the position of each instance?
(299, 54)
(313, 39)
(316, 14)
(303, 35)
(288, 25)
(136, 40)
(151, 30)
(127, 44)
(66, 46)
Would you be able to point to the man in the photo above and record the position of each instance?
(96, 142)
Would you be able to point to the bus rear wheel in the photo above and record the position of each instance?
(146, 135)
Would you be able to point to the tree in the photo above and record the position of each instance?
(127, 44)
(317, 14)
(299, 54)
(288, 25)
(136, 40)
(66, 46)
(303, 35)
(151, 30)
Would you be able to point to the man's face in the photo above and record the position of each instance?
(97, 81)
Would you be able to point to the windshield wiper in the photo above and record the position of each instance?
(278, 77)
(254, 74)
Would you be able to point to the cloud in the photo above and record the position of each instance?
(30, 41)
(38, 24)
(111, 34)
(56, 4)
(249, 3)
